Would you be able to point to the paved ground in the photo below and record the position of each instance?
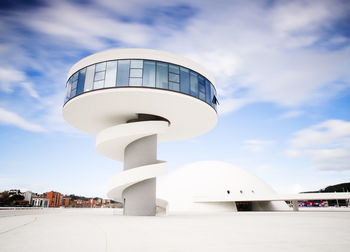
(100, 230)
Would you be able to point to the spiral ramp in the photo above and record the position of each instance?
(113, 143)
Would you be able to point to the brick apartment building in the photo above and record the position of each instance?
(54, 198)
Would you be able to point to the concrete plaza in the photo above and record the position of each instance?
(101, 230)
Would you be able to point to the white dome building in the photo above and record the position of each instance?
(213, 186)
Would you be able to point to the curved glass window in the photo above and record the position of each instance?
(138, 72)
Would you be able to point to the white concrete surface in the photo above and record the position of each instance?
(99, 230)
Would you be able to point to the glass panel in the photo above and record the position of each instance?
(74, 84)
(135, 82)
(111, 74)
(136, 63)
(202, 96)
(99, 76)
(89, 78)
(212, 95)
(201, 84)
(136, 73)
(185, 80)
(149, 73)
(98, 84)
(174, 86)
(162, 75)
(174, 69)
(123, 72)
(101, 67)
(75, 76)
(69, 88)
(66, 95)
(174, 77)
(194, 84)
(73, 92)
(207, 87)
(81, 80)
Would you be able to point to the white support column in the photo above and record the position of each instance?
(140, 198)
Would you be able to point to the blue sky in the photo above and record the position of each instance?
(282, 71)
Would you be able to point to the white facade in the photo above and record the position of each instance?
(213, 186)
(132, 98)
(40, 202)
(186, 187)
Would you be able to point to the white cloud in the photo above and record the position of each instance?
(231, 104)
(257, 51)
(245, 49)
(256, 145)
(292, 114)
(11, 78)
(10, 118)
(327, 144)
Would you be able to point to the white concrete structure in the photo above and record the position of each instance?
(131, 99)
(212, 186)
(189, 188)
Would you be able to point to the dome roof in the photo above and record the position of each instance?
(208, 179)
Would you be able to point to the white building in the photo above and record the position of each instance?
(131, 99)
(40, 202)
(28, 196)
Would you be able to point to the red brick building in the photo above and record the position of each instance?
(54, 198)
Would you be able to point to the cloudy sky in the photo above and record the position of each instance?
(282, 71)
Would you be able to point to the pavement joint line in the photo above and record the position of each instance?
(22, 225)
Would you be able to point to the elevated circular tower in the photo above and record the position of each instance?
(131, 99)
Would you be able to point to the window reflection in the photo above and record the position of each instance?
(162, 75)
(207, 93)
(201, 87)
(111, 74)
(193, 84)
(147, 73)
(123, 73)
(89, 78)
(185, 80)
(81, 80)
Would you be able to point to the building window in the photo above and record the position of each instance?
(207, 93)
(174, 77)
(184, 80)
(149, 73)
(123, 73)
(162, 75)
(81, 80)
(193, 84)
(201, 87)
(136, 73)
(99, 79)
(89, 78)
(111, 74)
